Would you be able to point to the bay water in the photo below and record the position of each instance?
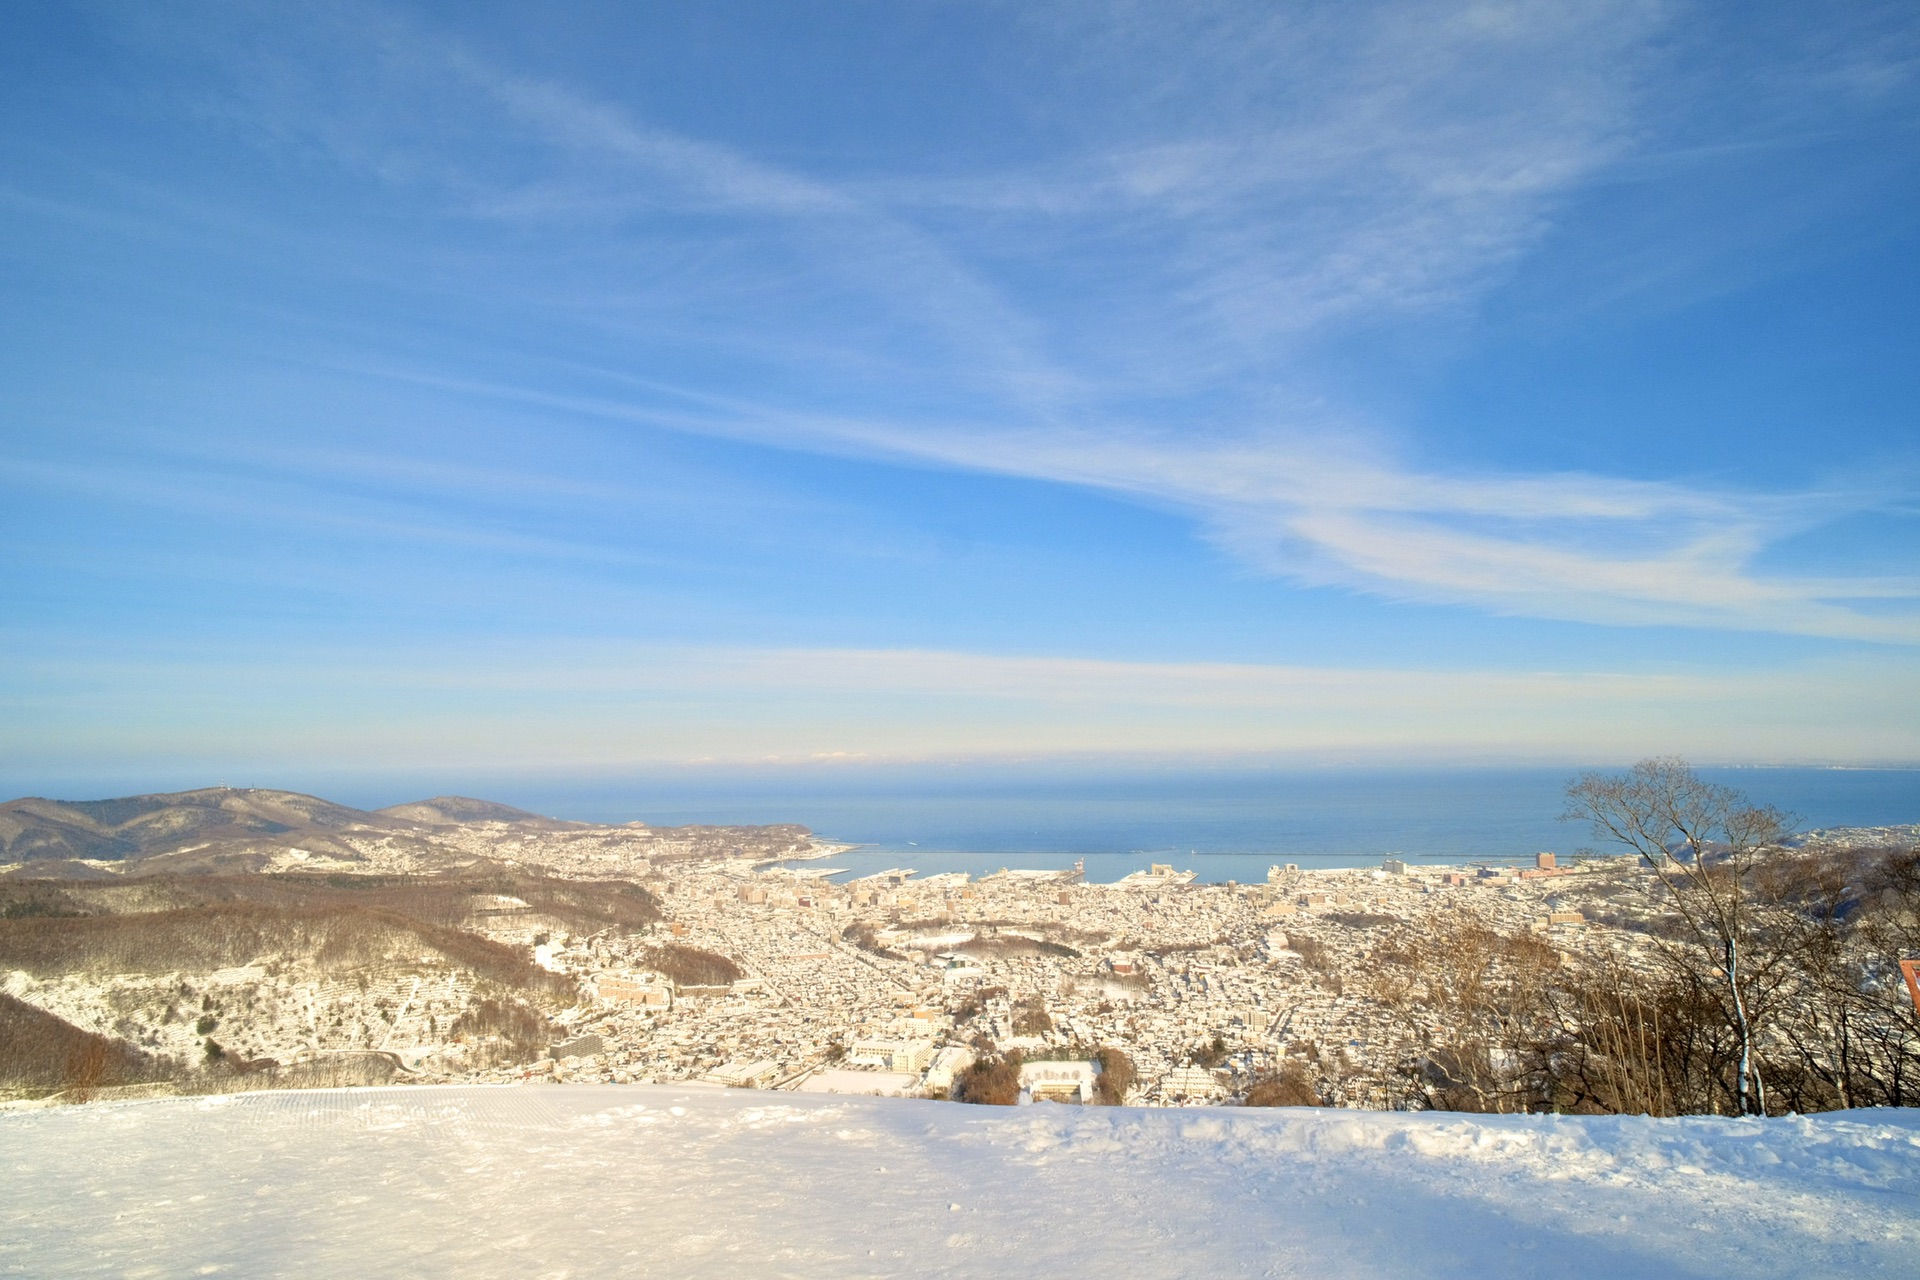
(1222, 824)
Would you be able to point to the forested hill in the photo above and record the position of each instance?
(215, 826)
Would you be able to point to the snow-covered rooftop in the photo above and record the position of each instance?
(659, 1181)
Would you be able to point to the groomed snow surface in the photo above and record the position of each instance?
(608, 1180)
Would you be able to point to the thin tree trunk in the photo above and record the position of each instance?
(1751, 1101)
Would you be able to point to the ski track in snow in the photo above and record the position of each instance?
(608, 1180)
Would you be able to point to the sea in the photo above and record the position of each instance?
(1222, 824)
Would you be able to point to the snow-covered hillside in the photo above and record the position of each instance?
(589, 1181)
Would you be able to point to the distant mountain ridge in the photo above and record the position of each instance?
(145, 826)
(454, 810)
(217, 822)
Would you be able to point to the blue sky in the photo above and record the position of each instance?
(480, 387)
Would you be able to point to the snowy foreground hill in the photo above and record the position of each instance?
(588, 1181)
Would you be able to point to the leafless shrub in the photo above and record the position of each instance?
(1164, 949)
(1116, 1076)
(1290, 1086)
(861, 935)
(1209, 1055)
(40, 1052)
(991, 1080)
(20, 900)
(1030, 1017)
(1005, 945)
(1628, 1044)
(501, 1031)
(975, 1002)
(1312, 952)
(450, 901)
(1843, 1031)
(1482, 1001)
(1360, 919)
(691, 966)
(1395, 955)
(223, 936)
(344, 1070)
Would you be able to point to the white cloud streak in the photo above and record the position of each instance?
(1370, 201)
(1568, 546)
(1273, 180)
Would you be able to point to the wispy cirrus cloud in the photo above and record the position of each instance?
(1338, 513)
(1137, 304)
(1569, 546)
(1385, 189)
(1574, 547)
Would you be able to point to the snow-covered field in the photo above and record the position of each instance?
(589, 1181)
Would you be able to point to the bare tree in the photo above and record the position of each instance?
(1702, 840)
(1851, 1034)
(1478, 1005)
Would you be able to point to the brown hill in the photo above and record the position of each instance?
(219, 830)
(313, 964)
(41, 1052)
(147, 826)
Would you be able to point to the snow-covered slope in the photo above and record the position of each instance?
(588, 1181)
